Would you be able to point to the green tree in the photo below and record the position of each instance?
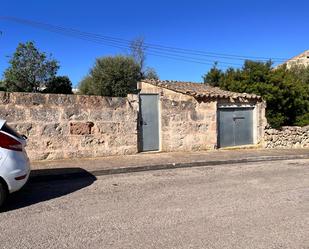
(87, 86)
(213, 77)
(59, 84)
(285, 91)
(112, 76)
(2, 86)
(29, 69)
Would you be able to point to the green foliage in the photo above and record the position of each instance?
(2, 86)
(302, 120)
(59, 84)
(213, 77)
(285, 91)
(29, 69)
(112, 76)
(87, 86)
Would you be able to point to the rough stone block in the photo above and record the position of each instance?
(101, 102)
(74, 113)
(128, 127)
(4, 98)
(92, 141)
(117, 103)
(54, 129)
(107, 127)
(81, 128)
(203, 127)
(11, 114)
(44, 114)
(55, 155)
(61, 143)
(79, 153)
(165, 121)
(101, 115)
(27, 129)
(196, 116)
(177, 105)
(122, 115)
(62, 100)
(26, 99)
(179, 117)
(35, 143)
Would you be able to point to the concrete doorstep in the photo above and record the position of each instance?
(75, 168)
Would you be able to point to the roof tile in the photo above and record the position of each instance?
(200, 90)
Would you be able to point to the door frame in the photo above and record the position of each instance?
(239, 106)
(139, 128)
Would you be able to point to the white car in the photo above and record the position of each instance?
(14, 162)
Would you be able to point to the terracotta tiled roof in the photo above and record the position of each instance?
(200, 90)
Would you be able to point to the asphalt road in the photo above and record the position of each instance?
(261, 205)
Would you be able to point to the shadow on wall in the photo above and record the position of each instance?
(43, 187)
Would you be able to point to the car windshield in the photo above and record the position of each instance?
(11, 131)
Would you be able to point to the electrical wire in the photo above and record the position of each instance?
(151, 49)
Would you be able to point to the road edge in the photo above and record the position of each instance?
(61, 174)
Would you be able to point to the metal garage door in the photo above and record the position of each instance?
(235, 126)
(149, 122)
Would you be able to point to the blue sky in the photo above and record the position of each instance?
(251, 28)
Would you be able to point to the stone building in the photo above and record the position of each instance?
(184, 116)
(298, 60)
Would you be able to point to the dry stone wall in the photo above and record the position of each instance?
(287, 137)
(67, 126)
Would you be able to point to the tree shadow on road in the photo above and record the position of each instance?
(43, 187)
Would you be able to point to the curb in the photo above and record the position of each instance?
(73, 173)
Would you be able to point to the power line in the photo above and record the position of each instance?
(156, 50)
(82, 36)
(199, 52)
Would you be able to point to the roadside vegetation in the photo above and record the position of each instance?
(118, 75)
(111, 76)
(33, 71)
(286, 91)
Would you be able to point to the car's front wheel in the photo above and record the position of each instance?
(3, 193)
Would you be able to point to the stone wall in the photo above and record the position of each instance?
(186, 124)
(66, 126)
(287, 137)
